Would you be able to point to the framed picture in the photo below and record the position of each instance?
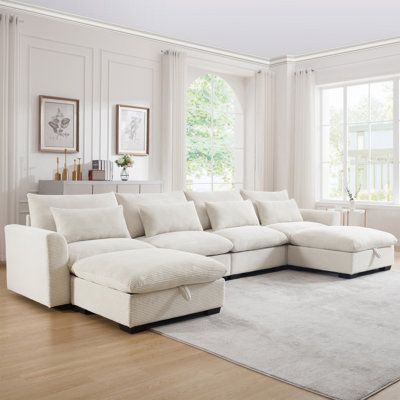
(132, 130)
(58, 124)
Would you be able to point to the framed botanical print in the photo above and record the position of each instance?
(58, 124)
(133, 130)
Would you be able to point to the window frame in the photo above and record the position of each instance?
(395, 79)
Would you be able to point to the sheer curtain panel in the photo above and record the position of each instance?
(304, 139)
(8, 122)
(264, 130)
(174, 71)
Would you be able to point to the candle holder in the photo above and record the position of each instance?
(79, 170)
(57, 175)
(75, 172)
(65, 172)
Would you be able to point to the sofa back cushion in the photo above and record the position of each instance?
(132, 203)
(90, 224)
(164, 218)
(39, 206)
(255, 195)
(200, 198)
(273, 212)
(229, 214)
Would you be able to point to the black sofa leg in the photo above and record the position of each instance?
(348, 276)
(65, 307)
(213, 311)
(83, 311)
(145, 327)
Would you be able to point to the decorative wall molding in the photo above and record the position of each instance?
(48, 51)
(144, 76)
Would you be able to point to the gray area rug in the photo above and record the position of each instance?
(336, 337)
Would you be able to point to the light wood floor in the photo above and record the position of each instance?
(48, 355)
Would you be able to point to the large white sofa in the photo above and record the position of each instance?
(139, 259)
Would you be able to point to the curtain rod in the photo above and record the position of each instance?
(11, 18)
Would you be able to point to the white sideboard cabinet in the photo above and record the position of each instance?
(93, 187)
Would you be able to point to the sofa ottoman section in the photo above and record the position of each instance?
(140, 287)
(346, 250)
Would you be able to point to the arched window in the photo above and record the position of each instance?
(214, 136)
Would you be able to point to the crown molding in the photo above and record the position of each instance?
(282, 60)
(333, 52)
(348, 49)
(18, 6)
(36, 10)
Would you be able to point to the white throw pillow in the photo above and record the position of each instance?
(228, 214)
(200, 198)
(273, 212)
(39, 206)
(132, 202)
(163, 218)
(89, 224)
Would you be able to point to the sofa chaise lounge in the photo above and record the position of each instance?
(139, 259)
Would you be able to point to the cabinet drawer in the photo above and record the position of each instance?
(70, 188)
(134, 188)
(150, 188)
(104, 188)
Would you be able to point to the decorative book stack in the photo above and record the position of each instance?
(102, 170)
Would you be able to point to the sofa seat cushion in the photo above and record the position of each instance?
(246, 238)
(204, 243)
(343, 238)
(148, 270)
(88, 248)
(289, 228)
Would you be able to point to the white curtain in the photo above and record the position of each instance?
(174, 73)
(304, 139)
(264, 130)
(9, 50)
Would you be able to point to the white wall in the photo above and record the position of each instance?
(101, 68)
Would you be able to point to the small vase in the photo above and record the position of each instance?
(352, 204)
(124, 174)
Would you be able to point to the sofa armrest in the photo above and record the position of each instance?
(321, 216)
(36, 261)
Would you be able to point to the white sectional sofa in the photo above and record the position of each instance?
(139, 259)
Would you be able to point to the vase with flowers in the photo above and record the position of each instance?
(124, 162)
(352, 197)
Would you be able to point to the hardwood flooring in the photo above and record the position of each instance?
(48, 354)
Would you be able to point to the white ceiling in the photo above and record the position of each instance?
(263, 28)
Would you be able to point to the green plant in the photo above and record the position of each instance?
(210, 129)
(350, 193)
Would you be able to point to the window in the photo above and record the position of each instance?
(360, 136)
(214, 136)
